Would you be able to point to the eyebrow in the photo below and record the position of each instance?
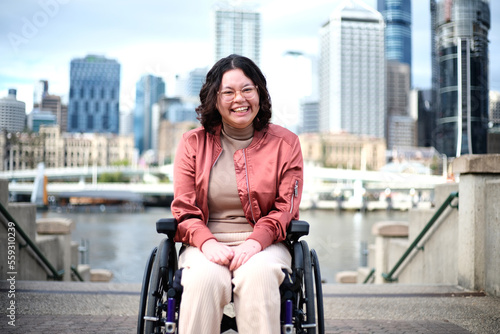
(245, 85)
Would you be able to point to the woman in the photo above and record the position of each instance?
(237, 186)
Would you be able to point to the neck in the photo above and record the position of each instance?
(239, 134)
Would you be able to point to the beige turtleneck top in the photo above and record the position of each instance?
(226, 211)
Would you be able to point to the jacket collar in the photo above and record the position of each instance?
(257, 136)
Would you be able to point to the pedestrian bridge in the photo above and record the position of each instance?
(74, 182)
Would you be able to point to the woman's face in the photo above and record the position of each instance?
(237, 99)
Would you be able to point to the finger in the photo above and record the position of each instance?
(237, 261)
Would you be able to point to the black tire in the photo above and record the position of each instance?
(145, 291)
(308, 288)
(162, 276)
(320, 318)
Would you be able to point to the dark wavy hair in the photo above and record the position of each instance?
(207, 111)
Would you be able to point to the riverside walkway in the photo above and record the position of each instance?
(88, 308)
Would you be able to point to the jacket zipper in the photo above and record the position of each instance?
(248, 186)
(217, 159)
(295, 193)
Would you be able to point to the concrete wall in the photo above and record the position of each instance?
(464, 245)
(436, 261)
(53, 238)
(492, 240)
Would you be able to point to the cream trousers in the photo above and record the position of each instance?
(207, 289)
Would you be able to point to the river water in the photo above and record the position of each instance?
(122, 241)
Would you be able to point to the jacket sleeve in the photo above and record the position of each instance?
(191, 226)
(271, 228)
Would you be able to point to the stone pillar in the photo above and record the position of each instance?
(4, 192)
(60, 227)
(384, 232)
(477, 235)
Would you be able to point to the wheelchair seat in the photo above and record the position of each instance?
(301, 292)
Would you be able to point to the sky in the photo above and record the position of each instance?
(39, 38)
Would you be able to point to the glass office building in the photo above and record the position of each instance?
(94, 95)
(149, 89)
(352, 71)
(237, 30)
(397, 17)
(461, 50)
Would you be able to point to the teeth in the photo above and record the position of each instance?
(241, 109)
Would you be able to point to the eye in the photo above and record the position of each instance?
(247, 90)
(227, 93)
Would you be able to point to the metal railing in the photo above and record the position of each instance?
(57, 275)
(389, 277)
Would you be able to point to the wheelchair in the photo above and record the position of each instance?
(301, 291)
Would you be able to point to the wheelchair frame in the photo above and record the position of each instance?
(161, 292)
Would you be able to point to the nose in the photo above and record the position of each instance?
(238, 95)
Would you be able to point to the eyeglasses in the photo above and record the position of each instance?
(228, 95)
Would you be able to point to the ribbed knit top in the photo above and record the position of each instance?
(226, 211)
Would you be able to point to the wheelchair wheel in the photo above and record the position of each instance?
(320, 318)
(162, 276)
(145, 291)
(308, 291)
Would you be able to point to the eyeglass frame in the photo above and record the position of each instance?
(239, 90)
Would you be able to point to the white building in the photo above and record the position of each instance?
(352, 71)
(12, 113)
(237, 30)
(494, 109)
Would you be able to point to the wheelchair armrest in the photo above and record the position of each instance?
(167, 226)
(297, 229)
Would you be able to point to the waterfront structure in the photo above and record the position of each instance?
(400, 125)
(57, 149)
(38, 117)
(169, 136)
(421, 108)
(352, 71)
(12, 113)
(397, 17)
(237, 30)
(309, 109)
(94, 95)
(195, 81)
(47, 108)
(39, 92)
(53, 103)
(494, 125)
(401, 131)
(343, 150)
(149, 89)
(461, 75)
(494, 109)
(288, 92)
(177, 110)
(126, 122)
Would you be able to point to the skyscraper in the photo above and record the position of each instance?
(12, 113)
(237, 30)
(397, 17)
(94, 95)
(149, 89)
(461, 51)
(40, 91)
(352, 71)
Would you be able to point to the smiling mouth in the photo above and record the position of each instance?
(241, 110)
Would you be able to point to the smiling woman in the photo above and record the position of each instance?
(237, 186)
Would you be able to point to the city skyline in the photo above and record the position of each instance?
(167, 40)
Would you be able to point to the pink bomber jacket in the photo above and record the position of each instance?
(269, 177)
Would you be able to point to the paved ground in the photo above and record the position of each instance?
(88, 308)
